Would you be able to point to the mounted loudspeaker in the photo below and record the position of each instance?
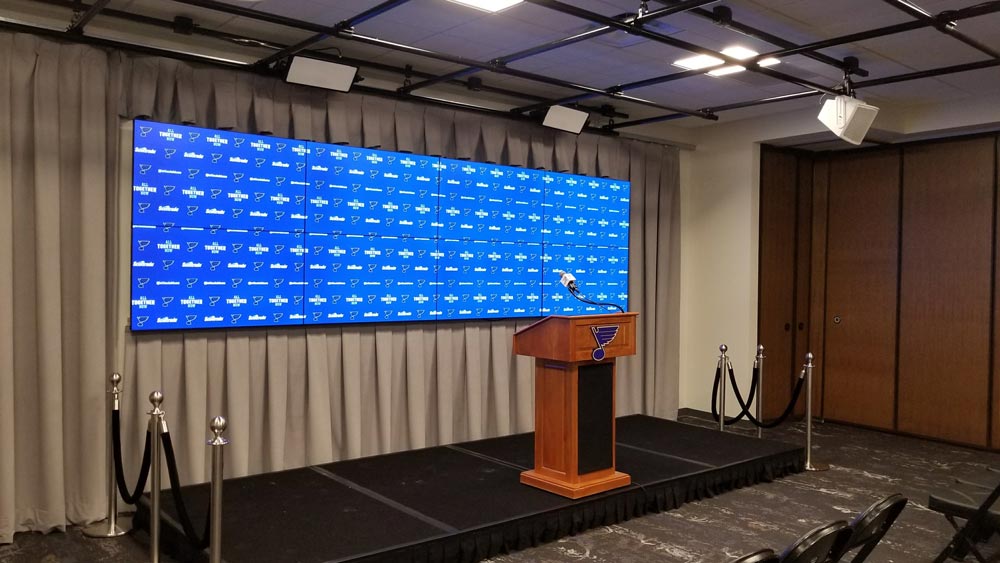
(565, 119)
(849, 118)
(321, 74)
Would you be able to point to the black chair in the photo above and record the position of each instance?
(762, 556)
(975, 505)
(868, 528)
(824, 544)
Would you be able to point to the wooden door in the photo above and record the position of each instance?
(776, 297)
(945, 292)
(803, 250)
(859, 362)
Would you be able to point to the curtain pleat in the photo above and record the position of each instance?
(565, 152)
(542, 149)
(292, 397)
(468, 130)
(11, 88)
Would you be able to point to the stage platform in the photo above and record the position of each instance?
(463, 502)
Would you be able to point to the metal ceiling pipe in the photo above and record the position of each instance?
(559, 43)
(558, 6)
(516, 73)
(347, 34)
(941, 23)
(775, 40)
(940, 71)
(978, 10)
(619, 88)
(346, 24)
(84, 18)
(212, 61)
(243, 40)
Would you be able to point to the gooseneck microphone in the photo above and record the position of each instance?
(569, 282)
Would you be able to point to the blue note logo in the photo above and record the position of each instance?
(144, 130)
(603, 335)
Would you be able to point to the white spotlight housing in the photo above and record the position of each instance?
(321, 74)
(848, 118)
(565, 119)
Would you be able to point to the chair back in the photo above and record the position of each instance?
(869, 526)
(762, 556)
(824, 544)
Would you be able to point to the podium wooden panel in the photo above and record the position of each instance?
(575, 400)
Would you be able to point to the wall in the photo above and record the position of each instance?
(719, 232)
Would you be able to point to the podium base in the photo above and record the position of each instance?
(575, 491)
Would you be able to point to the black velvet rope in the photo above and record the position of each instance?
(754, 384)
(175, 490)
(116, 446)
(745, 407)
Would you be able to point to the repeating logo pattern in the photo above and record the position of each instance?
(232, 230)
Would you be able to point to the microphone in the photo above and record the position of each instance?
(568, 281)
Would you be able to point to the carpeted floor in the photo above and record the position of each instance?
(865, 466)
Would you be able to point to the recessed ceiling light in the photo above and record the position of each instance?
(727, 70)
(489, 5)
(736, 52)
(698, 61)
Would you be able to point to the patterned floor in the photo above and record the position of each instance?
(865, 466)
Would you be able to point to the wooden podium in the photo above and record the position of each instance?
(575, 400)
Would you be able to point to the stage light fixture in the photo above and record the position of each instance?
(848, 118)
(565, 119)
(489, 5)
(321, 74)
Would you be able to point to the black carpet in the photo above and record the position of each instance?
(463, 502)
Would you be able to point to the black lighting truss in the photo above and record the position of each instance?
(632, 24)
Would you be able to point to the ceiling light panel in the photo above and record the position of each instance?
(698, 62)
(489, 5)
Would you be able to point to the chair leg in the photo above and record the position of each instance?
(962, 542)
(865, 551)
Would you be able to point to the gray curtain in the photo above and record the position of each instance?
(292, 396)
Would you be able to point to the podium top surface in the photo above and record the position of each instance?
(578, 338)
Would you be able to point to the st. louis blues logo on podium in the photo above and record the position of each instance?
(603, 335)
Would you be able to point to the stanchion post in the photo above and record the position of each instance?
(759, 364)
(808, 367)
(218, 426)
(156, 425)
(110, 527)
(723, 362)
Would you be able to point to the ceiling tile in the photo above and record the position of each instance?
(923, 49)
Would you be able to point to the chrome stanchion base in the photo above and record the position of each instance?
(102, 529)
(817, 467)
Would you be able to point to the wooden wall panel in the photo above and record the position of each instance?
(860, 320)
(817, 286)
(995, 405)
(945, 290)
(776, 283)
(803, 250)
